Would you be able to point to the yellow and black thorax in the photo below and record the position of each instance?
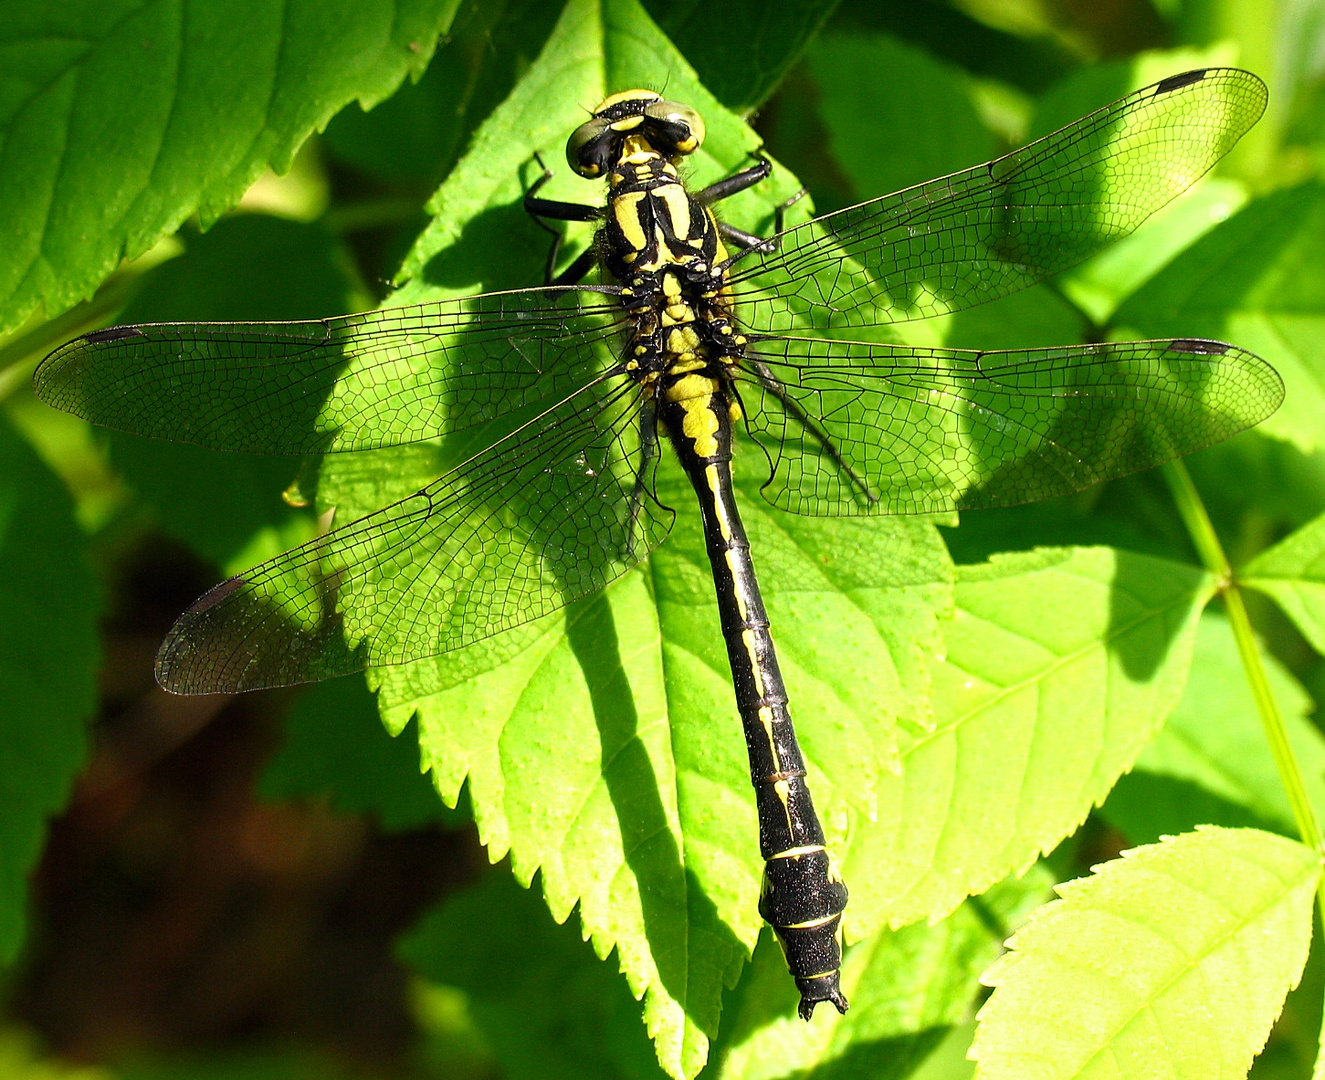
(664, 248)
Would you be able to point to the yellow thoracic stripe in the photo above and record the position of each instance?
(678, 208)
(625, 208)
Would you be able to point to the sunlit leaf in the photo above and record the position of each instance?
(1293, 573)
(1061, 665)
(1173, 961)
(120, 120)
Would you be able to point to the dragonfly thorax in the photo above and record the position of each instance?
(653, 222)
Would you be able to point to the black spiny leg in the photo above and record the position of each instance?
(737, 182)
(648, 450)
(538, 209)
(742, 181)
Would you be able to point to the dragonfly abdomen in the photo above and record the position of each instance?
(802, 896)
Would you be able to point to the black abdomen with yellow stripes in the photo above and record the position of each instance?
(662, 244)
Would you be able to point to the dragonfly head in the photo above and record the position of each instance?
(668, 127)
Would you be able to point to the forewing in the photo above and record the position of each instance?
(549, 514)
(977, 235)
(354, 382)
(860, 428)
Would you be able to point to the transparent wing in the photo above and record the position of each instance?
(976, 235)
(549, 514)
(860, 428)
(355, 382)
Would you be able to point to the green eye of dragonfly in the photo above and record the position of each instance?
(705, 328)
(589, 151)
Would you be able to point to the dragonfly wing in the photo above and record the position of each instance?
(353, 382)
(551, 513)
(971, 237)
(861, 428)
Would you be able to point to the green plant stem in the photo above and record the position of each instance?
(1207, 545)
(1212, 555)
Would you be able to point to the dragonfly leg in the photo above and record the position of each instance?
(741, 181)
(770, 382)
(543, 210)
(648, 450)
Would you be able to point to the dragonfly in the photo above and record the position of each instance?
(704, 337)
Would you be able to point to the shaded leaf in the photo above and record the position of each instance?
(740, 50)
(1208, 930)
(228, 507)
(335, 749)
(910, 989)
(49, 652)
(21, 1060)
(416, 135)
(961, 38)
(548, 1007)
(888, 134)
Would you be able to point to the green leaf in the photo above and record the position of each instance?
(1061, 665)
(49, 605)
(1256, 280)
(228, 507)
(909, 990)
(887, 134)
(1173, 960)
(480, 238)
(415, 136)
(741, 49)
(119, 120)
(1210, 762)
(1292, 573)
(548, 1008)
(335, 749)
(607, 753)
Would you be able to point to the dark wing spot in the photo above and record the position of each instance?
(114, 333)
(215, 595)
(1177, 82)
(1198, 346)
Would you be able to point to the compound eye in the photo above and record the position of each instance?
(675, 128)
(588, 150)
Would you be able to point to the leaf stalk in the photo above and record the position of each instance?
(1212, 555)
